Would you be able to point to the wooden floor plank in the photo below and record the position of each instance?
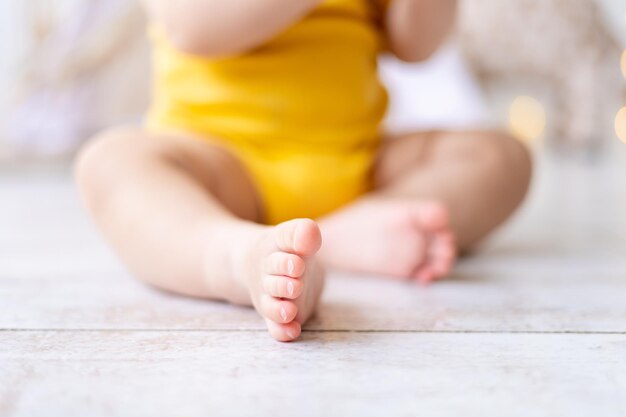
(533, 324)
(471, 302)
(331, 374)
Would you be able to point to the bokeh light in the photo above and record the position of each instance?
(620, 124)
(527, 118)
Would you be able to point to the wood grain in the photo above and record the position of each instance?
(197, 373)
(534, 323)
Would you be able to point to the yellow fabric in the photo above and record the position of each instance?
(302, 112)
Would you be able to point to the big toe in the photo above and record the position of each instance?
(299, 236)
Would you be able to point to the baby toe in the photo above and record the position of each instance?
(287, 264)
(443, 245)
(446, 238)
(441, 268)
(441, 258)
(284, 332)
(282, 287)
(277, 310)
(425, 274)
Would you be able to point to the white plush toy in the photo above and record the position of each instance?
(82, 65)
(560, 51)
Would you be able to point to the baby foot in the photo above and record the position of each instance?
(399, 238)
(283, 277)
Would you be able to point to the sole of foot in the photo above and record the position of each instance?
(400, 238)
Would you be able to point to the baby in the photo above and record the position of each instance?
(262, 160)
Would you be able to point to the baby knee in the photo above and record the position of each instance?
(95, 164)
(503, 154)
(514, 166)
(518, 159)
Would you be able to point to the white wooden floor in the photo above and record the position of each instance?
(533, 325)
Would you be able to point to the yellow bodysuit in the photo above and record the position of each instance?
(302, 112)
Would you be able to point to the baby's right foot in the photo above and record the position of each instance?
(284, 279)
(406, 238)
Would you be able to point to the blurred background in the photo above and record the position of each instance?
(550, 71)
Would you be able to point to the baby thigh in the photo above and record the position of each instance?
(116, 154)
(161, 200)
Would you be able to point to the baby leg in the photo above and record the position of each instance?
(481, 177)
(436, 192)
(182, 215)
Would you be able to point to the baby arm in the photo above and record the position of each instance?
(415, 28)
(224, 27)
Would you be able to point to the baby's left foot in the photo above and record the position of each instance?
(283, 277)
(395, 237)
